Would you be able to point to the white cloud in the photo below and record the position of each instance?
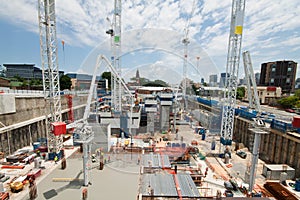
(272, 27)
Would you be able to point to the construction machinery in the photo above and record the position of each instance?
(232, 70)
(48, 48)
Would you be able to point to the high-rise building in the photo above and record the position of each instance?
(257, 77)
(280, 74)
(213, 80)
(223, 79)
(202, 80)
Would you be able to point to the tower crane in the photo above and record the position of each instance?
(186, 42)
(116, 59)
(232, 69)
(48, 48)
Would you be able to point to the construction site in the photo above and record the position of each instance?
(151, 143)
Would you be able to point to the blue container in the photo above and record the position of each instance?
(297, 185)
(256, 194)
(53, 154)
(203, 136)
(196, 130)
(202, 131)
(42, 140)
(213, 145)
(36, 145)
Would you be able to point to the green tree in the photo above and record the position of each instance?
(18, 78)
(289, 102)
(240, 92)
(65, 82)
(153, 84)
(161, 82)
(144, 81)
(196, 90)
(107, 75)
(35, 82)
(297, 93)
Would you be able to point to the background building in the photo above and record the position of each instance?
(266, 94)
(202, 81)
(213, 80)
(223, 79)
(257, 77)
(26, 71)
(297, 84)
(280, 74)
(82, 81)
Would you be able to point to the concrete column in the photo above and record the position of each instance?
(297, 167)
(150, 124)
(291, 152)
(284, 150)
(262, 143)
(278, 145)
(250, 141)
(164, 117)
(272, 147)
(266, 145)
(296, 158)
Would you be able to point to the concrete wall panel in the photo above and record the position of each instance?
(7, 104)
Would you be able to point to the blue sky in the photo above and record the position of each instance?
(152, 33)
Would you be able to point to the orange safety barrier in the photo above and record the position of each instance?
(229, 165)
(12, 167)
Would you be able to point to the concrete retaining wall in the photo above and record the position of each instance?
(27, 124)
(276, 147)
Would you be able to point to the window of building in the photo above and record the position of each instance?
(272, 80)
(289, 69)
(288, 80)
(273, 69)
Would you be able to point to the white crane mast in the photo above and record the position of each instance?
(116, 85)
(232, 70)
(48, 47)
(86, 134)
(186, 42)
(259, 126)
(250, 79)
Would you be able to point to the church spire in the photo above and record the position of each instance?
(137, 76)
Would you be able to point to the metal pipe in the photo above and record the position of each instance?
(85, 164)
(254, 160)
